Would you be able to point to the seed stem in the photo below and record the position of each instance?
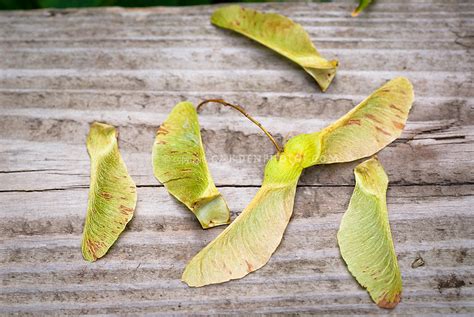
(242, 111)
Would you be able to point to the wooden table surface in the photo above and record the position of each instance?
(61, 70)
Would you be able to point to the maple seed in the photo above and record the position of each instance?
(179, 163)
(362, 5)
(256, 233)
(111, 182)
(280, 34)
(364, 236)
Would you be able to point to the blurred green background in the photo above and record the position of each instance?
(35, 4)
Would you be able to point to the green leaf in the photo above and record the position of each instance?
(248, 243)
(363, 131)
(362, 5)
(280, 34)
(179, 162)
(364, 237)
(112, 193)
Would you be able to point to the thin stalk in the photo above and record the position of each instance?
(242, 111)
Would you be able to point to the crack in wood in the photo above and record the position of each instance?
(394, 184)
(29, 171)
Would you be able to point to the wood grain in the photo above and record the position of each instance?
(60, 70)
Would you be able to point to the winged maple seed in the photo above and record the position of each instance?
(362, 5)
(364, 236)
(280, 34)
(112, 193)
(249, 241)
(179, 162)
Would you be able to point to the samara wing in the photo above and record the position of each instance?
(112, 193)
(280, 34)
(364, 236)
(179, 162)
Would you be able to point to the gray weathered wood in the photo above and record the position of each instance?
(62, 69)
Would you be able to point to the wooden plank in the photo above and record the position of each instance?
(62, 69)
(442, 155)
(148, 259)
(440, 83)
(209, 58)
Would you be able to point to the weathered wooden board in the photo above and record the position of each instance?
(62, 69)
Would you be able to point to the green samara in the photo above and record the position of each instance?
(362, 5)
(365, 239)
(179, 162)
(280, 34)
(112, 193)
(248, 243)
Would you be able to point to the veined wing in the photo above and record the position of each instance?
(365, 239)
(363, 131)
(179, 162)
(112, 193)
(249, 241)
(280, 34)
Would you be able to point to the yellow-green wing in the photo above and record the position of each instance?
(179, 162)
(248, 242)
(280, 34)
(112, 193)
(365, 239)
(362, 5)
(363, 131)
